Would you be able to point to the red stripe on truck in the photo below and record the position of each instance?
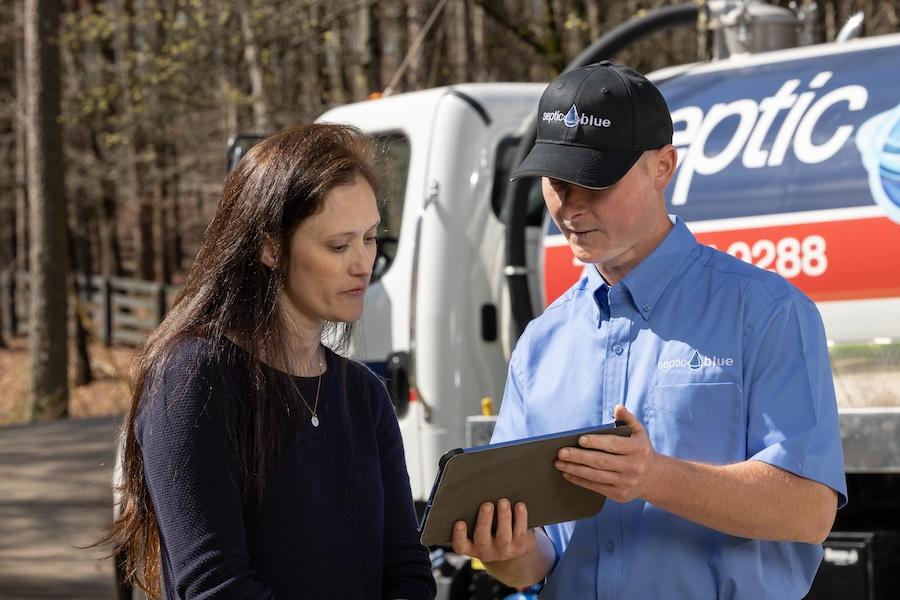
(851, 259)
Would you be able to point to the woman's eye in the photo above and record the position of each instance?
(340, 248)
(371, 240)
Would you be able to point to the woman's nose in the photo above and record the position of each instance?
(363, 260)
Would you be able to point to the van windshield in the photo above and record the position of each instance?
(392, 154)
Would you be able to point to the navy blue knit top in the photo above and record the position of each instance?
(336, 519)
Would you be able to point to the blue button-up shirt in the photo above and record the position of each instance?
(722, 362)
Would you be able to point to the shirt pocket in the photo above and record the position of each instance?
(698, 421)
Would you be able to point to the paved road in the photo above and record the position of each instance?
(54, 496)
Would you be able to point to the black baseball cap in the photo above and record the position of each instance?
(594, 123)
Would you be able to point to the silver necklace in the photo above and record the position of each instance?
(312, 409)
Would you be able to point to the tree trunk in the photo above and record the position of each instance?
(391, 40)
(127, 164)
(225, 70)
(415, 70)
(331, 43)
(261, 118)
(107, 224)
(462, 43)
(83, 373)
(311, 73)
(479, 70)
(21, 149)
(360, 69)
(48, 336)
(173, 193)
(594, 20)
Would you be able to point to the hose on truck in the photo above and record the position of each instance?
(515, 198)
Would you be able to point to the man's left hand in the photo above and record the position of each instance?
(620, 468)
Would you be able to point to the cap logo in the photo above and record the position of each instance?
(573, 119)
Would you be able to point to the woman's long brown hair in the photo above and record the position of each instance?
(282, 180)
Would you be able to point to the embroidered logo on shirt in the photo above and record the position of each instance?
(696, 361)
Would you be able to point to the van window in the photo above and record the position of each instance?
(506, 154)
(392, 153)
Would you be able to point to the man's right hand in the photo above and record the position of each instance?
(513, 539)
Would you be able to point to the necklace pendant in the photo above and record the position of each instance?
(314, 421)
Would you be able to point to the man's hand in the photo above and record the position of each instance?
(620, 468)
(513, 538)
(514, 554)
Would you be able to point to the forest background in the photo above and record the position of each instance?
(115, 116)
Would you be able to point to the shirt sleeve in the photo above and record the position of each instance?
(407, 566)
(793, 420)
(191, 470)
(512, 425)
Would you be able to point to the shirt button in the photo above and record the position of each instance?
(645, 307)
(610, 547)
(618, 349)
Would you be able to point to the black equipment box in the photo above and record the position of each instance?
(859, 566)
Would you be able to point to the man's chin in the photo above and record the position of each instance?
(584, 256)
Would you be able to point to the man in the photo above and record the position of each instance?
(733, 474)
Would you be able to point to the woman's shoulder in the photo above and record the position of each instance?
(358, 373)
(199, 354)
(192, 390)
(193, 364)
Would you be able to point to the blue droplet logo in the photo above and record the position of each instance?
(695, 360)
(571, 119)
(878, 142)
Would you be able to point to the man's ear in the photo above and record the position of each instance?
(267, 254)
(666, 159)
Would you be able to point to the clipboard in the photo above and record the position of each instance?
(520, 470)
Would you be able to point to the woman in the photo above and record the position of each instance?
(258, 463)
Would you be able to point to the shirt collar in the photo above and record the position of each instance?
(649, 279)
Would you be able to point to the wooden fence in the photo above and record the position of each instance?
(118, 310)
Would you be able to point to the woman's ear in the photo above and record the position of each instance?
(268, 255)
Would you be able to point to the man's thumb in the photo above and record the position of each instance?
(620, 413)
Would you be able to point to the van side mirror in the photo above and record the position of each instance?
(238, 145)
(396, 374)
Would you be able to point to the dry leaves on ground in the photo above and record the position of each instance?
(106, 395)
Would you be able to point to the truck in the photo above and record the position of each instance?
(789, 158)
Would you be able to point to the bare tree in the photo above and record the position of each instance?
(390, 38)
(21, 148)
(48, 336)
(261, 112)
(362, 76)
